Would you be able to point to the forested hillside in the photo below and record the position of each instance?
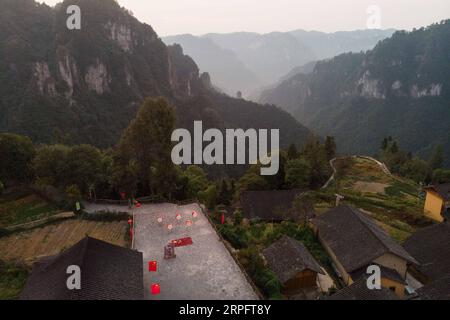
(84, 86)
(401, 89)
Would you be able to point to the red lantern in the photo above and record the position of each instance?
(222, 219)
(130, 222)
(123, 195)
(152, 266)
(155, 289)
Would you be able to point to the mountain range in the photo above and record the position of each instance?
(84, 86)
(246, 61)
(401, 88)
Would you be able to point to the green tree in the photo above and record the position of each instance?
(84, 165)
(330, 148)
(298, 173)
(209, 196)
(147, 142)
(197, 181)
(50, 165)
(314, 154)
(416, 169)
(124, 177)
(441, 176)
(251, 181)
(437, 158)
(16, 154)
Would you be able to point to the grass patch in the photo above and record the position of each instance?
(22, 206)
(12, 280)
(399, 189)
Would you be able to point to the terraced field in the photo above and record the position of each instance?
(393, 201)
(52, 239)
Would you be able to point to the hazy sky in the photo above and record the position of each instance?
(170, 17)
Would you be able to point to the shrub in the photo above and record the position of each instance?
(238, 217)
(235, 235)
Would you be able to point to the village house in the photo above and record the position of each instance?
(294, 266)
(354, 242)
(108, 272)
(437, 202)
(275, 205)
(430, 246)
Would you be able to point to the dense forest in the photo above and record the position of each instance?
(140, 165)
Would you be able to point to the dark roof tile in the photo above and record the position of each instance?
(358, 291)
(107, 272)
(431, 248)
(288, 257)
(436, 290)
(356, 239)
(270, 205)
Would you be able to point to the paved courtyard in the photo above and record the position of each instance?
(203, 270)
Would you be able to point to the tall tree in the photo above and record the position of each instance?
(147, 142)
(330, 147)
(50, 165)
(196, 181)
(298, 173)
(16, 154)
(84, 165)
(437, 158)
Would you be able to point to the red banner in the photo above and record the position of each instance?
(182, 242)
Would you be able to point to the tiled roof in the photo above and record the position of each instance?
(288, 257)
(269, 205)
(431, 248)
(436, 290)
(108, 272)
(442, 189)
(356, 239)
(358, 291)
